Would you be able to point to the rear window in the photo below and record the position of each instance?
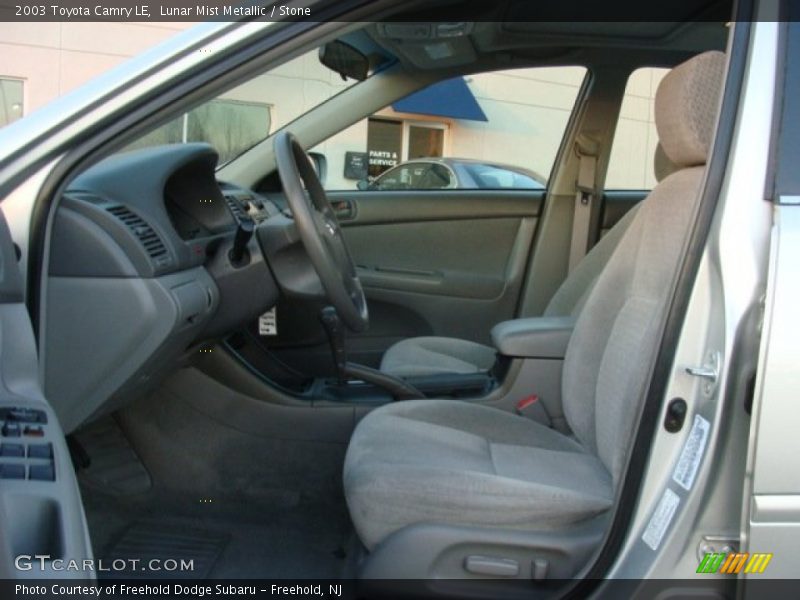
(493, 177)
(631, 164)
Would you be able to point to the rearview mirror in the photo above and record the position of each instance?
(345, 60)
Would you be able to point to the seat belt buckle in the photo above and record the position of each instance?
(526, 402)
(531, 408)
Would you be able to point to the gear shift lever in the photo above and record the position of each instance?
(334, 329)
(244, 231)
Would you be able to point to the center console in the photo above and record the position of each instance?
(455, 385)
(537, 346)
(360, 384)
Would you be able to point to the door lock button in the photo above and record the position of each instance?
(34, 431)
(11, 430)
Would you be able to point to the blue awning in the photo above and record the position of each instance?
(451, 98)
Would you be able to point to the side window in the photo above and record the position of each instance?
(631, 164)
(497, 130)
(11, 100)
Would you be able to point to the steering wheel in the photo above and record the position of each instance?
(320, 232)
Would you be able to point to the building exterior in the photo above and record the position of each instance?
(525, 110)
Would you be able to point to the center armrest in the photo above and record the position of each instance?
(537, 337)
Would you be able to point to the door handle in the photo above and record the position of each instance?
(345, 210)
(705, 372)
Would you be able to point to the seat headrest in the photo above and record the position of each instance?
(686, 108)
(663, 167)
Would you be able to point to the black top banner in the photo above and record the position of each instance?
(401, 11)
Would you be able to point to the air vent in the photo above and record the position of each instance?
(144, 233)
(236, 209)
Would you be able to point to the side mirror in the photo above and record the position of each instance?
(346, 60)
(320, 164)
(363, 185)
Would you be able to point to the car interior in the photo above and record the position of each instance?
(451, 379)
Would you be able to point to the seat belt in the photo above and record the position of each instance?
(586, 149)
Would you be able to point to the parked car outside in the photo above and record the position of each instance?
(454, 173)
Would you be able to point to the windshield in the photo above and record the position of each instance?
(242, 117)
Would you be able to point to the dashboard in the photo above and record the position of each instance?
(139, 275)
(162, 206)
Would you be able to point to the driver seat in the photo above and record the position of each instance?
(456, 464)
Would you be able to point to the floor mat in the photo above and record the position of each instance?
(274, 488)
(154, 549)
(115, 467)
(307, 540)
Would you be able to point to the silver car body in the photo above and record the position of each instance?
(753, 246)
